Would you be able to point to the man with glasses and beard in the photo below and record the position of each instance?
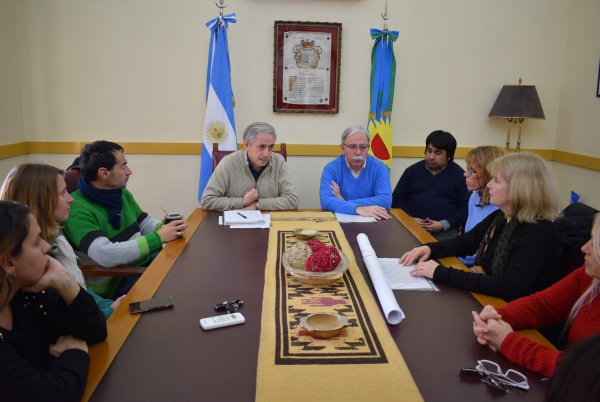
(356, 183)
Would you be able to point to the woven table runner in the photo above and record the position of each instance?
(361, 363)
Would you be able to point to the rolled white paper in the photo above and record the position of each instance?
(391, 309)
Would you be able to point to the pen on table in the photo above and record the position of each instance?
(242, 216)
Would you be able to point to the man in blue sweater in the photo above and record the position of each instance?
(355, 182)
(433, 191)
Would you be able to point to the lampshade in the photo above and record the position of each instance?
(518, 101)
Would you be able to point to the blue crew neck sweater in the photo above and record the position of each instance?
(372, 187)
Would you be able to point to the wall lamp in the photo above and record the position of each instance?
(517, 103)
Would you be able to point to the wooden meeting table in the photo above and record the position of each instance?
(165, 354)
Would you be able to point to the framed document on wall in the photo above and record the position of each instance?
(598, 84)
(306, 67)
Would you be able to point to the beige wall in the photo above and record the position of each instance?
(579, 117)
(11, 101)
(135, 71)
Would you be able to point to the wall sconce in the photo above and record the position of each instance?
(517, 102)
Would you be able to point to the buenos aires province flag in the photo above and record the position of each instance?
(219, 122)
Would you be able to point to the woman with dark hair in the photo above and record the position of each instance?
(516, 246)
(45, 317)
(573, 299)
(42, 187)
(577, 373)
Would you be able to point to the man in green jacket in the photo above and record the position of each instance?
(106, 225)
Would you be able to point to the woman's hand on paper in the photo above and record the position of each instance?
(418, 253)
(425, 269)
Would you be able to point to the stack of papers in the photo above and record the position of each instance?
(243, 217)
(347, 218)
(252, 221)
(398, 277)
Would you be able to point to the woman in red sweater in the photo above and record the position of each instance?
(574, 299)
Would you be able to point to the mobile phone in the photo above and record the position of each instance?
(152, 304)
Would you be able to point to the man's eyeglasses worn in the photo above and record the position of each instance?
(353, 147)
(471, 171)
(490, 372)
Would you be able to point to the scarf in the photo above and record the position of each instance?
(505, 244)
(63, 252)
(109, 198)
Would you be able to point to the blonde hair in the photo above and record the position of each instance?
(594, 288)
(532, 193)
(482, 156)
(34, 184)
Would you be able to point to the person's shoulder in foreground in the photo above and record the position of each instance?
(355, 182)
(252, 178)
(46, 318)
(576, 375)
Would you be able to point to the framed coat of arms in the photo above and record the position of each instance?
(306, 67)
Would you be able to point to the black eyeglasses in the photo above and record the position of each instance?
(353, 147)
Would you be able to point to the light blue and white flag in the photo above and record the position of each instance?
(219, 123)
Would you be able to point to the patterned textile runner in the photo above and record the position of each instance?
(361, 363)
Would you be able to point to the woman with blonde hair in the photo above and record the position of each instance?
(42, 187)
(516, 246)
(46, 318)
(574, 299)
(477, 177)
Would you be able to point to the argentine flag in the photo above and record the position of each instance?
(219, 123)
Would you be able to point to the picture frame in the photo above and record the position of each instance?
(306, 67)
(598, 82)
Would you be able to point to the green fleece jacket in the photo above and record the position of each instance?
(96, 242)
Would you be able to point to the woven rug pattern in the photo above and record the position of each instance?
(361, 363)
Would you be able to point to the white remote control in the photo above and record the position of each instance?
(222, 321)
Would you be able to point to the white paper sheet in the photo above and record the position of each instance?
(391, 309)
(243, 217)
(398, 277)
(347, 218)
(266, 218)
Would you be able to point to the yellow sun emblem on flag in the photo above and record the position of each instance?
(216, 132)
(381, 140)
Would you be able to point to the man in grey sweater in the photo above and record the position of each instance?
(252, 178)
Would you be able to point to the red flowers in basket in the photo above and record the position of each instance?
(323, 259)
(315, 245)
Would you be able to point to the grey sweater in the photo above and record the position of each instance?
(232, 178)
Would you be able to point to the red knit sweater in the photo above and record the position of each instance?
(544, 308)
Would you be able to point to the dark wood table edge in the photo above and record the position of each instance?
(121, 322)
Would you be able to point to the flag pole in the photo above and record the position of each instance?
(219, 122)
(382, 82)
(222, 7)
